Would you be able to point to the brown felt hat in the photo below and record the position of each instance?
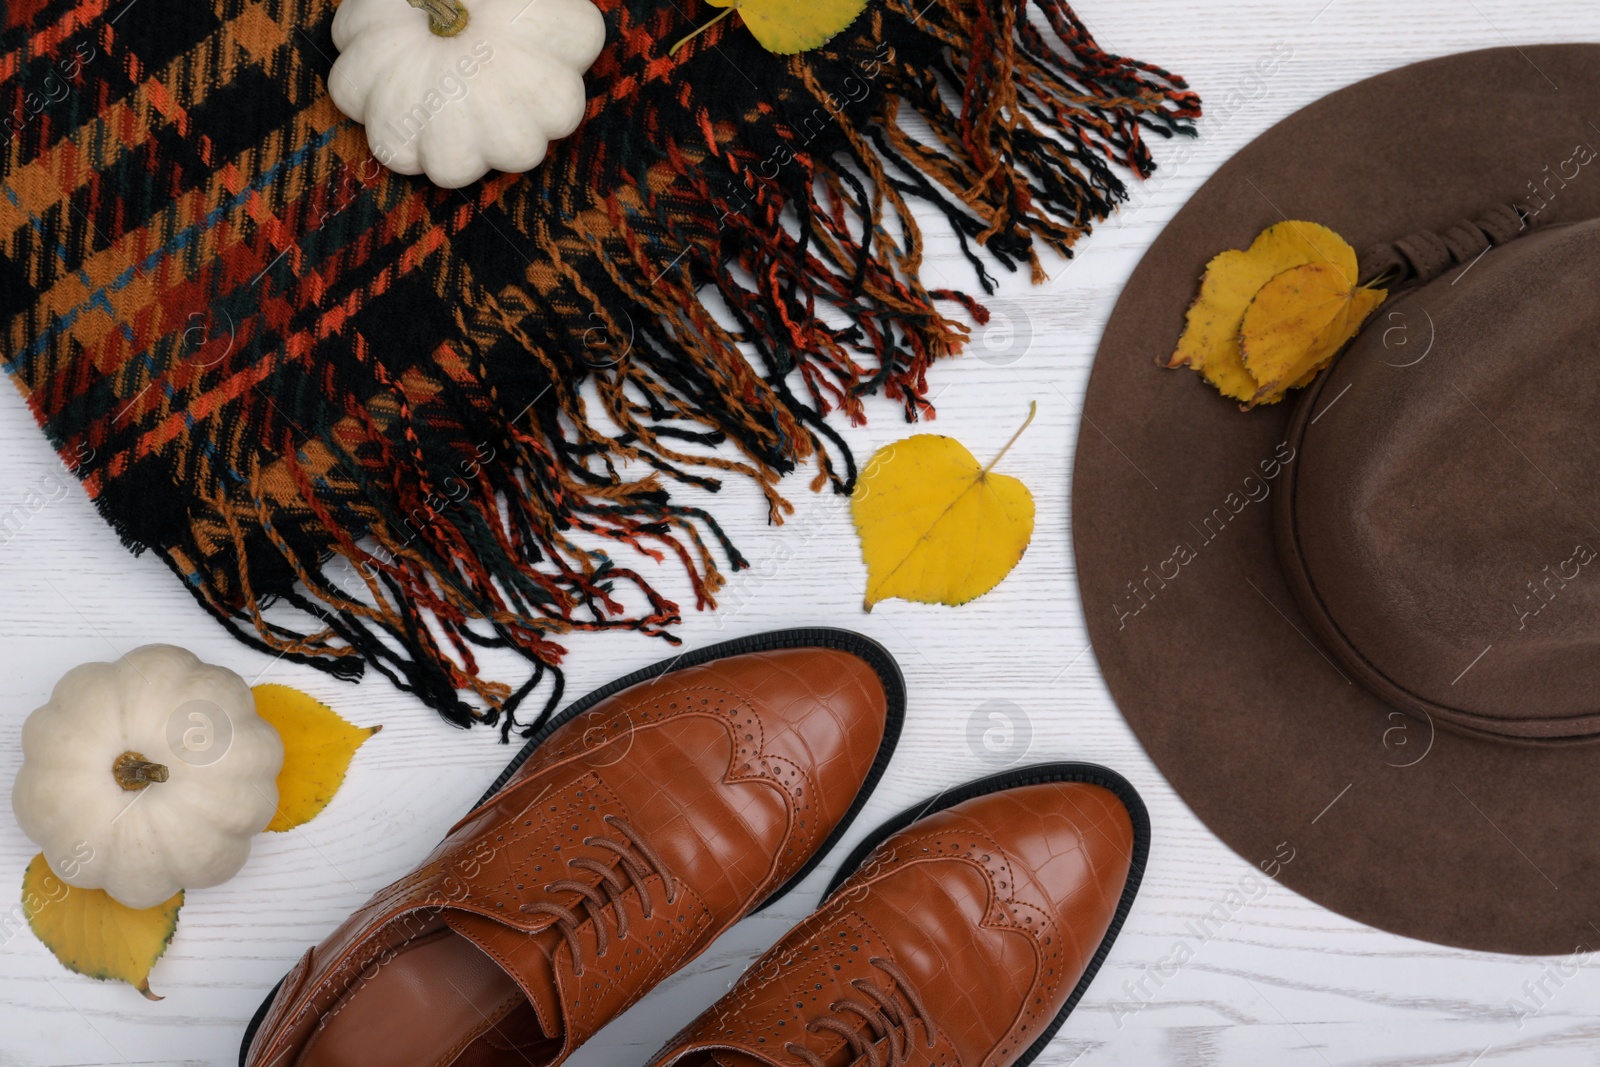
(1361, 627)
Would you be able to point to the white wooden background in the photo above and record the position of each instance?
(1283, 982)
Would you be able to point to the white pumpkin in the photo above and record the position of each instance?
(147, 775)
(451, 101)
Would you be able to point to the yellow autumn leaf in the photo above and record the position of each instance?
(1296, 324)
(1210, 341)
(91, 933)
(936, 527)
(785, 27)
(317, 746)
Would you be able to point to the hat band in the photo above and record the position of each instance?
(1426, 254)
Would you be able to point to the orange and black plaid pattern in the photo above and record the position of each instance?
(372, 423)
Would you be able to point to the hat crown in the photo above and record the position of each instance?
(1441, 532)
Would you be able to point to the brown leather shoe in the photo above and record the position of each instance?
(658, 811)
(963, 933)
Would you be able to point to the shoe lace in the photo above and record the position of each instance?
(885, 1018)
(635, 858)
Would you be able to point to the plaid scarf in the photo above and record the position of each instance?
(371, 423)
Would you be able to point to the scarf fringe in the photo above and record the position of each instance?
(804, 232)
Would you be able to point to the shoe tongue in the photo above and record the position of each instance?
(525, 957)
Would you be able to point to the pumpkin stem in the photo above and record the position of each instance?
(730, 9)
(445, 17)
(132, 771)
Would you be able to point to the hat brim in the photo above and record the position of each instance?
(1386, 819)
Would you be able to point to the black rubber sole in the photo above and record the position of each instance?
(1038, 774)
(865, 648)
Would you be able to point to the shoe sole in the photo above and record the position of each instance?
(862, 647)
(1038, 774)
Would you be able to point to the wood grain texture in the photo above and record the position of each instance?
(1265, 977)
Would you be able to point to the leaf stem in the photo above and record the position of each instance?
(730, 9)
(1382, 279)
(1033, 409)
